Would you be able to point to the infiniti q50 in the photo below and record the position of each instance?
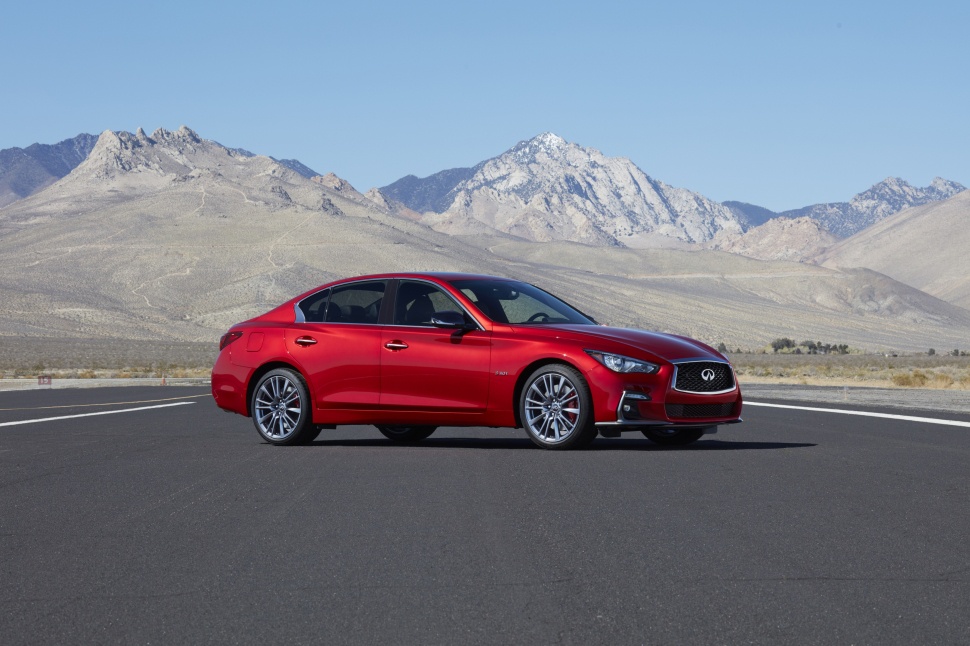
(410, 353)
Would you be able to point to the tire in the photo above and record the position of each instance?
(674, 437)
(556, 409)
(406, 433)
(281, 408)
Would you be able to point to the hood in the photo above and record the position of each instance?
(664, 346)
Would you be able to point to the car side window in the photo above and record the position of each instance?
(355, 303)
(314, 307)
(417, 301)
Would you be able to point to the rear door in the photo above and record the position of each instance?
(337, 345)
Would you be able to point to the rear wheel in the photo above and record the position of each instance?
(674, 437)
(556, 408)
(406, 433)
(281, 408)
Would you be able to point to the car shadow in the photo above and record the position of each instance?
(601, 444)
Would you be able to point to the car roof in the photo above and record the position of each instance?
(446, 276)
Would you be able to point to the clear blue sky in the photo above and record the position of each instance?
(781, 104)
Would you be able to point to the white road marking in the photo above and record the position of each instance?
(105, 412)
(905, 418)
(143, 401)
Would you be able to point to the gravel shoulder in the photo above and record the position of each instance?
(924, 399)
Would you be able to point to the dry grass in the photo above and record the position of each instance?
(916, 371)
(110, 358)
(103, 358)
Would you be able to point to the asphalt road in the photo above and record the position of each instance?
(178, 525)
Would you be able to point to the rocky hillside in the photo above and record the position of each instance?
(795, 239)
(549, 189)
(24, 171)
(880, 201)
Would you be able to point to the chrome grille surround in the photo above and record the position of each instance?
(688, 379)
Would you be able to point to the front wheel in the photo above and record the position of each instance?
(281, 408)
(406, 433)
(675, 436)
(556, 408)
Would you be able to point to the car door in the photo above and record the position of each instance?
(336, 342)
(425, 368)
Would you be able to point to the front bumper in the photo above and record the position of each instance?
(636, 411)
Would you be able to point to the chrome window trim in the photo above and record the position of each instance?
(444, 291)
(673, 383)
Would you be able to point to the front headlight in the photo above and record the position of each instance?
(619, 363)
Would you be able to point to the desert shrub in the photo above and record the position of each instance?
(942, 380)
(915, 379)
(782, 344)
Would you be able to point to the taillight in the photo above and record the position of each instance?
(228, 338)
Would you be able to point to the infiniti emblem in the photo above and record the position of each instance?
(707, 374)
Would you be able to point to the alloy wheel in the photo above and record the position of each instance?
(552, 408)
(278, 407)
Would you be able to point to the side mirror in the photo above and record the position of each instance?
(451, 320)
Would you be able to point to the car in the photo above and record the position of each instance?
(411, 352)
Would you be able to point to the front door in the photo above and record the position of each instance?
(427, 368)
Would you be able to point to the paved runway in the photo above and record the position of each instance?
(177, 525)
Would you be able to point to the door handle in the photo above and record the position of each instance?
(396, 345)
(305, 341)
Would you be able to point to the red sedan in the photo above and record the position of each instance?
(412, 352)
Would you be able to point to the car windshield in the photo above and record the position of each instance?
(507, 301)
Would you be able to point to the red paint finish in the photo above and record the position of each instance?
(342, 368)
(440, 370)
(385, 373)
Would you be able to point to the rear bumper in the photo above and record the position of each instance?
(229, 384)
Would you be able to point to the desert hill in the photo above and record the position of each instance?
(926, 247)
(169, 237)
(797, 239)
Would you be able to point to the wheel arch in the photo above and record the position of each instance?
(262, 370)
(527, 371)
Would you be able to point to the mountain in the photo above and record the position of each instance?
(292, 164)
(925, 247)
(24, 171)
(433, 193)
(795, 239)
(751, 214)
(889, 196)
(549, 189)
(298, 166)
(172, 237)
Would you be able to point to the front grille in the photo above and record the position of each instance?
(684, 411)
(691, 377)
